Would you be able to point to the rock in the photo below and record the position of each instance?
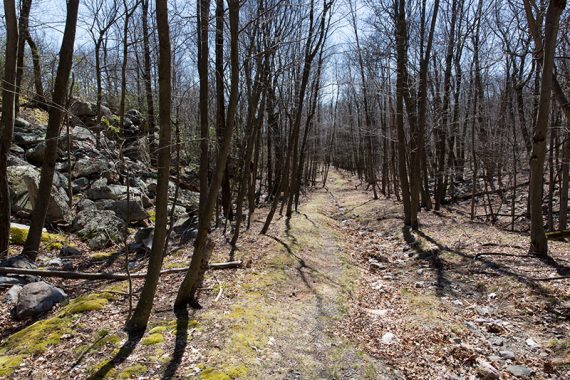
(498, 341)
(6, 281)
(487, 371)
(69, 251)
(104, 204)
(114, 192)
(532, 343)
(85, 113)
(457, 303)
(28, 139)
(135, 116)
(37, 298)
(57, 262)
(86, 204)
(494, 358)
(86, 167)
(11, 296)
(99, 228)
(20, 123)
(378, 312)
(16, 161)
(16, 149)
(36, 154)
(389, 338)
(520, 371)
(79, 184)
(83, 134)
(507, 355)
(138, 150)
(133, 209)
(18, 262)
(483, 310)
(144, 237)
(58, 207)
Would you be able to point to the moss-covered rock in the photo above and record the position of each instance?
(229, 373)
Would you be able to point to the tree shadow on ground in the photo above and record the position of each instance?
(496, 269)
(124, 352)
(182, 321)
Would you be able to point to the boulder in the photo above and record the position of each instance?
(86, 167)
(20, 123)
(11, 296)
(58, 207)
(37, 298)
(138, 150)
(133, 209)
(135, 116)
(83, 134)
(36, 154)
(86, 204)
(69, 251)
(144, 237)
(79, 184)
(97, 192)
(99, 228)
(83, 109)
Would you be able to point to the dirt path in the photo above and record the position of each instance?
(285, 324)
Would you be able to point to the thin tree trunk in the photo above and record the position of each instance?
(141, 315)
(56, 114)
(7, 120)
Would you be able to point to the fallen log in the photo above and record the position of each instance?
(106, 276)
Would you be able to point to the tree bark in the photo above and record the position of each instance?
(56, 114)
(539, 243)
(7, 120)
(141, 315)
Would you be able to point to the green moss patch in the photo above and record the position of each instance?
(152, 339)
(9, 363)
(35, 338)
(18, 235)
(90, 302)
(229, 373)
(132, 371)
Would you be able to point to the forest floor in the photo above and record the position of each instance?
(341, 291)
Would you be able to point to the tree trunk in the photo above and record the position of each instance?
(56, 114)
(7, 120)
(539, 243)
(139, 319)
(187, 291)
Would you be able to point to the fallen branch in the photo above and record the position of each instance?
(106, 276)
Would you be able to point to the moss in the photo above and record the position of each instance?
(56, 245)
(152, 215)
(558, 345)
(152, 339)
(158, 329)
(134, 370)
(101, 255)
(35, 338)
(9, 363)
(90, 302)
(19, 235)
(229, 373)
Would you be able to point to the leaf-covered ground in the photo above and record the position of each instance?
(339, 292)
